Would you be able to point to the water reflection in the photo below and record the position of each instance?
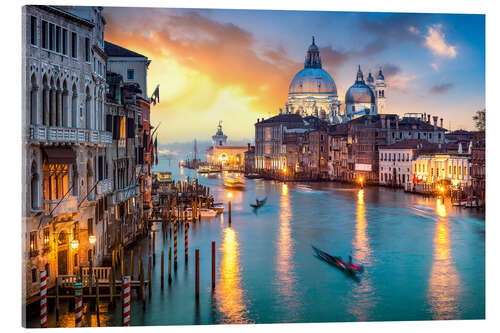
(363, 293)
(286, 279)
(444, 282)
(229, 293)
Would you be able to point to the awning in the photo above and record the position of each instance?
(60, 155)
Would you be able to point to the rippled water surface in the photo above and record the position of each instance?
(423, 258)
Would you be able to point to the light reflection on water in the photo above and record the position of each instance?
(444, 282)
(363, 292)
(229, 293)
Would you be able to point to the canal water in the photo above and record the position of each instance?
(423, 258)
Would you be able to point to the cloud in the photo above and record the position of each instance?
(435, 67)
(203, 64)
(435, 40)
(440, 89)
(397, 28)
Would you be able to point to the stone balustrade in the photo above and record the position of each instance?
(55, 134)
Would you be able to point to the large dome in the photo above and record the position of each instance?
(313, 80)
(359, 93)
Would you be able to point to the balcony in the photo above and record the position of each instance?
(126, 193)
(104, 186)
(54, 134)
(67, 205)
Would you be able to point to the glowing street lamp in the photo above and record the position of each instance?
(361, 181)
(92, 239)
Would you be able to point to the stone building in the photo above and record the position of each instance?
(395, 160)
(270, 155)
(250, 159)
(434, 168)
(478, 172)
(226, 156)
(365, 135)
(129, 111)
(64, 139)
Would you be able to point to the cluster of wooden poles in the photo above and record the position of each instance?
(127, 271)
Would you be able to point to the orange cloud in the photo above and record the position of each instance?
(201, 64)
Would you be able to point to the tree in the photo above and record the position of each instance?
(480, 120)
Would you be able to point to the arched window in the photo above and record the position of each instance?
(33, 101)
(66, 122)
(74, 107)
(45, 101)
(75, 181)
(35, 184)
(58, 102)
(88, 114)
(90, 181)
(52, 103)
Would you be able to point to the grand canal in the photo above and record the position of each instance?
(423, 258)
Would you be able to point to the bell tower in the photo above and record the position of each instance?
(380, 88)
(219, 139)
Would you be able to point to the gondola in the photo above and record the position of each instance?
(259, 203)
(338, 262)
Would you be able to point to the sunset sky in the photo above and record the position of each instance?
(236, 65)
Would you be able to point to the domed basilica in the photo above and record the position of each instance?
(313, 92)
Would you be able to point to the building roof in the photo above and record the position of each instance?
(113, 50)
(283, 118)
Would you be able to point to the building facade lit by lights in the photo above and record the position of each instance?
(226, 156)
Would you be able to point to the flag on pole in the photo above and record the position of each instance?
(156, 148)
(155, 98)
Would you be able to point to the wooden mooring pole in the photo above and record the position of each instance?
(169, 265)
(175, 245)
(197, 255)
(213, 265)
(186, 242)
(162, 268)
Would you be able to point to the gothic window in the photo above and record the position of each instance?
(74, 106)
(33, 100)
(55, 181)
(35, 184)
(87, 109)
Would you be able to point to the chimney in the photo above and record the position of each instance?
(248, 146)
(281, 110)
(428, 118)
(425, 115)
(441, 122)
(435, 119)
(258, 120)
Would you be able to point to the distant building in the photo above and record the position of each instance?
(313, 92)
(250, 159)
(434, 168)
(478, 172)
(395, 160)
(226, 156)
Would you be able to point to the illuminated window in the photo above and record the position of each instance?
(33, 244)
(56, 180)
(46, 238)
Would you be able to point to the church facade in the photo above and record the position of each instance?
(313, 92)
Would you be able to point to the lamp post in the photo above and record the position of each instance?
(229, 196)
(92, 240)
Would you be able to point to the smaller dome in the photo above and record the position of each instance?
(359, 94)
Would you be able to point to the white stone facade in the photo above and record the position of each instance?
(64, 92)
(395, 166)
